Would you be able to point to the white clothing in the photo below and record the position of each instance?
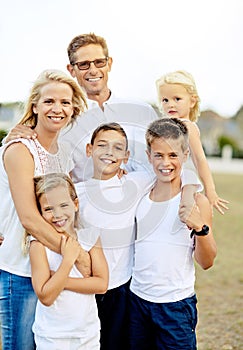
(110, 205)
(72, 315)
(133, 116)
(44, 343)
(12, 258)
(163, 266)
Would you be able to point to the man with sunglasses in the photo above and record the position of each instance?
(90, 64)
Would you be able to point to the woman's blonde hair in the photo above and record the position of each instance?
(45, 78)
(185, 79)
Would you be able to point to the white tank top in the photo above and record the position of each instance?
(12, 258)
(164, 267)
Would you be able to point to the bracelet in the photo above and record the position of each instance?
(204, 231)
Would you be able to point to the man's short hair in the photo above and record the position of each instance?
(84, 40)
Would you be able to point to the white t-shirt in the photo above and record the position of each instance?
(72, 314)
(163, 265)
(110, 205)
(133, 116)
(12, 258)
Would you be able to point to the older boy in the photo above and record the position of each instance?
(109, 203)
(163, 302)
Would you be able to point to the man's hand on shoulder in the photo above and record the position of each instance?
(20, 131)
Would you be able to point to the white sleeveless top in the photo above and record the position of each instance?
(72, 314)
(12, 258)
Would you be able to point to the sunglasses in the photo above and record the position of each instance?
(84, 65)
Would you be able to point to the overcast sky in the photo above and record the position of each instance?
(145, 38)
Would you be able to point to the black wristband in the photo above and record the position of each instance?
(204, 231)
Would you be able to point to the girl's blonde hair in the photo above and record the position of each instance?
(44, 184)
(185, 79)
(46, 77)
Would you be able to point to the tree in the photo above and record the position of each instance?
(3, 133)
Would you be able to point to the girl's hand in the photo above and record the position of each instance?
(70, 249)
(217, 202)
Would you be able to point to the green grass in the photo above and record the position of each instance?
(220, 289)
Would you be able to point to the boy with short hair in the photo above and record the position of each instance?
(110, 203)
(163, 310)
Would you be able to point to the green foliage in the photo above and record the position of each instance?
(224, 140)
(3, 133)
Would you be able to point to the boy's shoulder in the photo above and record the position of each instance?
(140, 178)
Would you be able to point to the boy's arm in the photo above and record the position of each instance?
(205, 246)
(201, 164)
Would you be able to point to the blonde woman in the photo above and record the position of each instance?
(55, 101)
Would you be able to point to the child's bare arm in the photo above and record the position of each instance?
(49, 285)
(187, 201)
(201, 164)
(190, 185)
(98, 281)
(205, 246)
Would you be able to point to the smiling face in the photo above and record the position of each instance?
(167, 158)
(54, 107)
(176, 101)
(58, 209)
(93, 80)
(109, 151)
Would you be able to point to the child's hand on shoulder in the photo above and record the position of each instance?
(21, 131)
(186, 208)
(121, 172)
(194, 219)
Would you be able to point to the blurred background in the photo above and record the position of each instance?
(146, 39)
